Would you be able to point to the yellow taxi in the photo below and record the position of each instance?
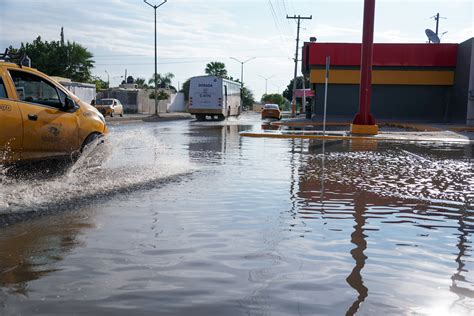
(39, 118)
(271, 110)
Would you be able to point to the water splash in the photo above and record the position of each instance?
(124, 163)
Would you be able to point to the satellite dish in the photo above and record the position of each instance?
(432, 36)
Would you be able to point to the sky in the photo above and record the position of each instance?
(120, 33)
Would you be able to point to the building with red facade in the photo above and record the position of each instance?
(409, 81)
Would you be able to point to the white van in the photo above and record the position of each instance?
(214, 97)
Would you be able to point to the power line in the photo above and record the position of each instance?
(281, 14)
(160, 63)
(275, 20)
(182, 62)
(291, 5)
(148, 56)
(286, 12)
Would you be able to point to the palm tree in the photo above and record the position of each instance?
(216, 68)
(141, 82)
(163, 81)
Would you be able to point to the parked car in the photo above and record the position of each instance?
(271, 111)
(109, 107)
(39, 118)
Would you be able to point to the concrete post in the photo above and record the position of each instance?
(364, 122)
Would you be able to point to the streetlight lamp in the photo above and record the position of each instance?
(242, 78)
(242, 69)
(266, 81)
(154, 78)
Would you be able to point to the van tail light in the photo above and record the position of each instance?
(220, 102)
(190, 101)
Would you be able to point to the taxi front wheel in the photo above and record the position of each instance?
(89, 140)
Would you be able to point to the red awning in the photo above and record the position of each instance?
(307, 92)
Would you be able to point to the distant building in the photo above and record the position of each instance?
(409, 81)
(84, 91)
(137, 100)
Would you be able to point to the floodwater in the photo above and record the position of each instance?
(188, 218)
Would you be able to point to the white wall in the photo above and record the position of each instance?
(177, 103)
(83, 92)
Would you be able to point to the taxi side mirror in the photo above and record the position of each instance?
(69, 104)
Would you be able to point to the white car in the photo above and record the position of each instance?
(109, 107)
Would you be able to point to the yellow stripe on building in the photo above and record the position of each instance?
(388, 77)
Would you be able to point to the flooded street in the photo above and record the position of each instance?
(189, 218)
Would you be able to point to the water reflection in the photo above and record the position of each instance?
(358, 238)
(463, 249)
(30, 250)
(333, 189)
(212, 143)
(269, 126)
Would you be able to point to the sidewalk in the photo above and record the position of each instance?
(149, 118)
(410, 128)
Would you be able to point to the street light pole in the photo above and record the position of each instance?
(156, 59)
(108, 82)
(242, 77)
(266, 81)
(108, 79)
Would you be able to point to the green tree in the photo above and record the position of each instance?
(288, 93)
(163, 81)
(185, 89)
(216, 68)
(141, 83)
(56, 58)
(275, 98)
(162, 95)
(247, 98)
(99, 83)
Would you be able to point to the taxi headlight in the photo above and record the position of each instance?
(102, 118)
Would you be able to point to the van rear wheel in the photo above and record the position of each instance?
(200, 117)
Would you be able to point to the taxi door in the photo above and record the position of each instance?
(11, 125)
(48, 131)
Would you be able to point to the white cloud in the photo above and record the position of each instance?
(191, 33)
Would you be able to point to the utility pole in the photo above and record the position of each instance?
(299, 18)
(62, 36)
(266, 81)
(156, 59)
